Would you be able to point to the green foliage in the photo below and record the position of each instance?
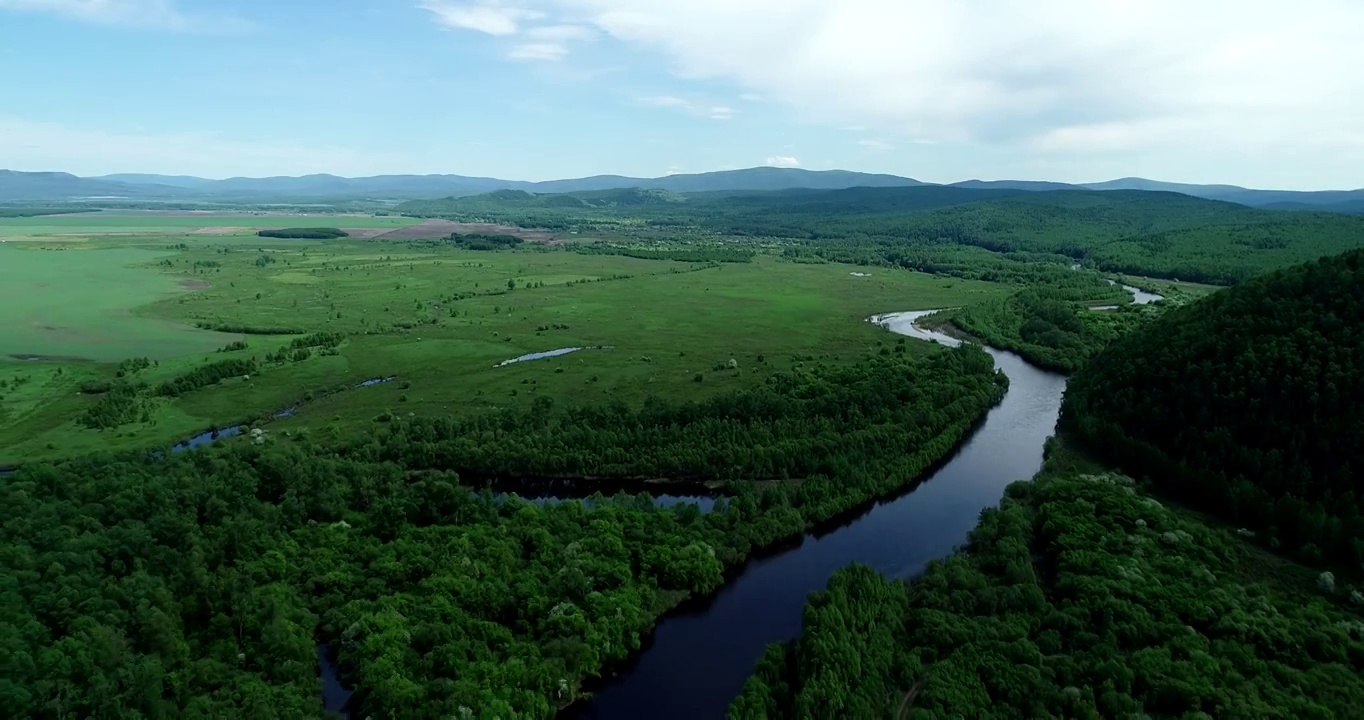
(698, 254)
(132, 366)
(1225, 254)
(239, 329)
(847, 425)
(1048, 328)
(1078, 597)
(1247, 404)
(482, 241)
(197, 583)
(318, 339)
(205, 375)
(120, 403)
(304, 233)
(23, 212)
(936, 229)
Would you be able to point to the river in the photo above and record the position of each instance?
(698, 660)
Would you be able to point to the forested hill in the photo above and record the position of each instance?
(1158, 234)
(1247, 403)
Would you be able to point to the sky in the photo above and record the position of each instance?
(1261, 93)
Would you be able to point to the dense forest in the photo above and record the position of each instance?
(304, 233)
(484, 241)
(675, 252)
(1158, 234)
(200, 583)
(1077, 597)
(1246, 403)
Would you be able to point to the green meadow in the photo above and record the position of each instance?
(81, 303)
(152, 223)
(439, 319)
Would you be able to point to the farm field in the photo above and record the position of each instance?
(437, 319)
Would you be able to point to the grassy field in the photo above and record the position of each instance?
(79, 303)
(155, 223)
(439, 319)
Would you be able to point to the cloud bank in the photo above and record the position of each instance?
(1216, 78)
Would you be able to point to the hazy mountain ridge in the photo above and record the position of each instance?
(57, 186)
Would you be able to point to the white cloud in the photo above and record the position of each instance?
(782, 161)
(158, 14)
(562, 33)
(876, 145)
(672, 102)
(28, 145)
(550, 42)
(538, 51)
(1202, 80)
(751, 97)
(489, 16)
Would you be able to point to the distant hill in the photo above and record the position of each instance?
(1014, 185)
(1246, 404)
(58, 187)
(1342, 201)
(181, 181)
(65, 187)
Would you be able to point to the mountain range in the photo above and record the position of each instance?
(18, 186)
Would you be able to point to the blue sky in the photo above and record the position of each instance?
(942, 90)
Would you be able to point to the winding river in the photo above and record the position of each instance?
(698, 660)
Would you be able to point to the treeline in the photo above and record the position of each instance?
(823, 425)
(205, 375)
(304, 233)
(1246, 403)
(239, 329)
(482, 241)
(23, 212)
(1078, 597)
(702, 254)
(199, 583)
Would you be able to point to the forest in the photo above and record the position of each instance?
(1246, 403)
(1158, 234)
(304, 233)
(1049, 328)
(484, 241)
(200, 583)
(1080, 596)
(673, 251)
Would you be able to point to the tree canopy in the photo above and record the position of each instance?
(1078, 597)
(1246, 403)
(199, 584)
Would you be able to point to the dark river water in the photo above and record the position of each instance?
(699, 659)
